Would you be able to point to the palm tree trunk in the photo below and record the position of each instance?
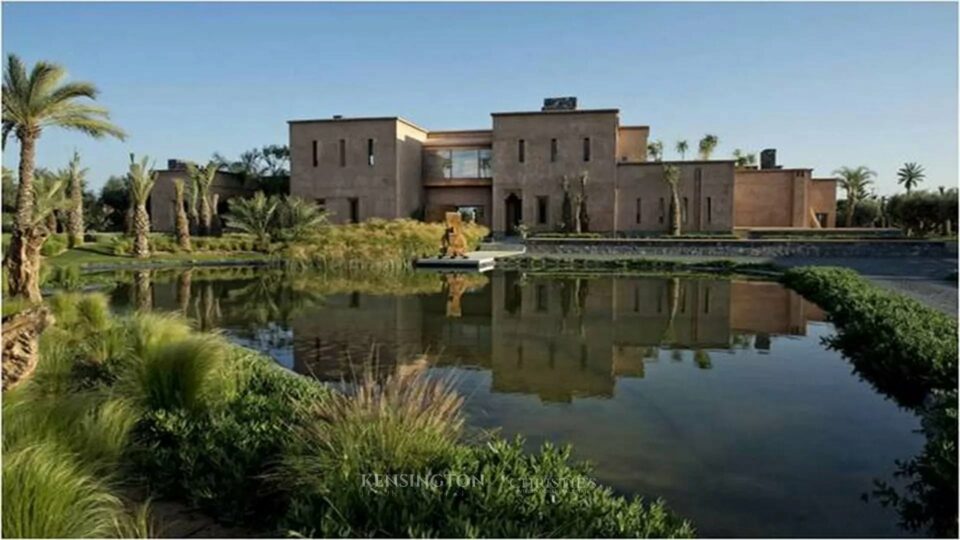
(143, 290)
(141, 226)
(75, 219)
(183, 224)
(851, 207)
(205, 216)
(23, 274)
(674, 211)
(183, 290)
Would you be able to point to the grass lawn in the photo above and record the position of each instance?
(101, 254)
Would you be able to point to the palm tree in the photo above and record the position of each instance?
(682, 149)
(51, 187)
(854, 181)
(255, 216)
(910, 175)
(202, 182)
(75, 177)
(707, 145)
(183, 224)
(655, 150)
(140, 181)
(671, 175)
(31, 103)
(297, 218)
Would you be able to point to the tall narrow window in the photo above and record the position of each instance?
(639, 210)
(683, 213)
(322, 205)
(553, 150)
(542, 298)
(370, 152)
(709, 210)
(354, 210)
(522, 150)
(706, 301)
(316, 154)
(343, 152)
(586, 148)
(542, 210)
(663, 209)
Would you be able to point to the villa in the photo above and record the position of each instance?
(389, 167)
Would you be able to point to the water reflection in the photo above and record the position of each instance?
(716, 394)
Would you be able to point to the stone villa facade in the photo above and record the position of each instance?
(360, 168)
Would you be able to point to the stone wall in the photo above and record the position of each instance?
(740, 248)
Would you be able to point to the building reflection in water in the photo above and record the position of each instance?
(556, 337)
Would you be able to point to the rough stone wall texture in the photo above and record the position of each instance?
(163, 206)
(770, 198)
(539, 176)
(706, 186)
(739, 248)
(632, 143)
(374, 186)
(822, 198)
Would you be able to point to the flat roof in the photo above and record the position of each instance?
(782, 169)
(574, 111)
(677, 162)
(359, 119)
(635, 127)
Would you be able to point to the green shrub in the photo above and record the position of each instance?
(903, 347)
(219, 460)
(54, 245)
(493, 490)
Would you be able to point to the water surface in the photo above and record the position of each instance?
(717, 395)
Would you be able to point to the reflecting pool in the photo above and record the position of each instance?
(715, 394)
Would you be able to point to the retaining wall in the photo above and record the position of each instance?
(741, 248)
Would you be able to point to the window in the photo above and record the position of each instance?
(370, 152)
(542, 298)
(663, 209)
(821, 218)
(709, 210)
(354, 210)
(697, 175)
(639, 210)
(457, 163)
(322, 205)
(522, 150)
(343, 152)
(542, 209)
(706, 301)
(316, 154)
(683, 212)
(553, 150)
(586, 148)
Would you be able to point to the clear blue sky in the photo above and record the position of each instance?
(826, 84)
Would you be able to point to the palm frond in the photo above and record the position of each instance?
(140, 179)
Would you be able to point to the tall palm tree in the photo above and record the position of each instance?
(707, 145)
(671, 175)
(682, 148)
(140, 181)
(854, 181)
(75, 178)
(910, 175)
(655, 150)
(183, 224)
(31, 103)
(202, 182)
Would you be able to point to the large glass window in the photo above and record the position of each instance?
(458, 163)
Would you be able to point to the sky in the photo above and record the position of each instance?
(826, 84)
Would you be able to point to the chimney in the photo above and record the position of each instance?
(559, 104)
(338, 117)
(176, 165)
(768, 159)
